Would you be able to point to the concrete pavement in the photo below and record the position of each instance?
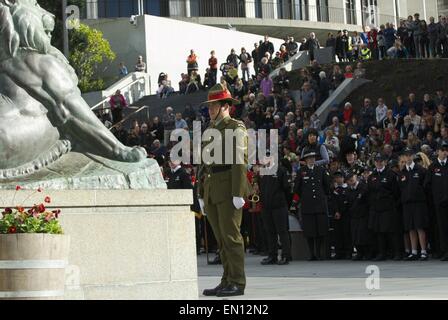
(335, 280)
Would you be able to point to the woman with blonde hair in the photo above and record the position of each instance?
(422, 159)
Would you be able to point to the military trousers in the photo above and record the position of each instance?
(225, 220)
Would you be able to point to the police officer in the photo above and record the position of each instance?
(340, 211)
(358, 208)
(437, 184)
(312, 185)
(274, 190)
(383, 196)
(415, 209)
(222, 189)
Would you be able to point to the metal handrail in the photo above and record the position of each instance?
(108, 98)
(129, 116)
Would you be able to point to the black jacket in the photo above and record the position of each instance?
(358, 203)
(384, 193)
(437, 183)
(412, 185)
(338, 200)
(275, 189)
(313, 187)
(179, 180)
(265, 47)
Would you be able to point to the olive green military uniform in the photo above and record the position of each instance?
(218, 184)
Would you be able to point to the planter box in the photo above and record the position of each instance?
(32, 266)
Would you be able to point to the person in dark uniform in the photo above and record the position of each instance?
(383, 196)
(178, 178)
(312, 185)
(358, 208)
(437, 184)
(273, 196)
(322, 157)
(340, 211)
(415, 209)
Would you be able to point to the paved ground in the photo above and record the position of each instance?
(335, 280)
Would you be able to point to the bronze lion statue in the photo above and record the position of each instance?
(42, 113)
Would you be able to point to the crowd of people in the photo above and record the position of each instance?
(383, 173)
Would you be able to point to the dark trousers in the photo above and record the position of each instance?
(343, 241)
(276, 225)
(442, 222)
(213, 78)
(117, 115)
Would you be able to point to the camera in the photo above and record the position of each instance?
(133, 20)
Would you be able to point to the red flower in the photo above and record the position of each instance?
(20, 209)
(39, 189)
(8, 210)
(12, 230)
(18, 188)
(41, 208)
(56, 213)
(47, 199)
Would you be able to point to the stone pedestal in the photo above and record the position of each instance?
(127, 244)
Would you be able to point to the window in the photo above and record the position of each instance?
(370, 12)
(284, 9)
(350, 11)
(443, 7)
(219, 8)
(258, 9)
(117, 8)
(301, 10)
(322, 10)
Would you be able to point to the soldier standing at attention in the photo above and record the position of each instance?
(222, 189)
(437, 183)
(312, 185)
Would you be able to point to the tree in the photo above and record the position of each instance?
(88, 51)
(55, 7)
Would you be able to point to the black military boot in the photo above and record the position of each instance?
(214, 291)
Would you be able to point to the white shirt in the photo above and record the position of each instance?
(411, 167)
(442, 163)
(380, 170)
(381, 113)
(175, 169)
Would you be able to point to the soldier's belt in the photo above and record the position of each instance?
(221, 169)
